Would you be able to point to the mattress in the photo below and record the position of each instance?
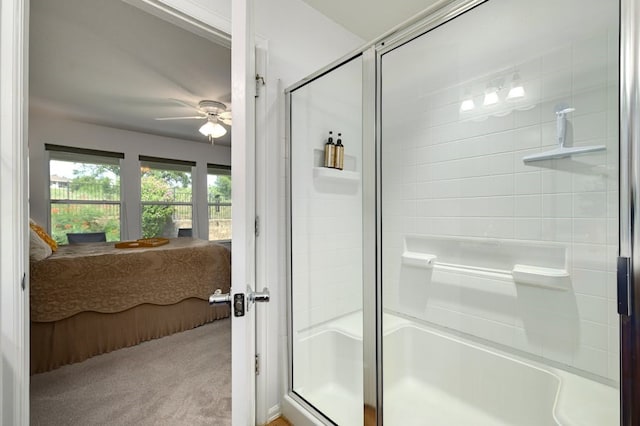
(98, 277)
(92, 298)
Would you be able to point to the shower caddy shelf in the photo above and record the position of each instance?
(561, 135)
(336, 176)
(348, 175)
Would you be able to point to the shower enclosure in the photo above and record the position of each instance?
(470, 263)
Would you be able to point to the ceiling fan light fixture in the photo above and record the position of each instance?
(213, 129)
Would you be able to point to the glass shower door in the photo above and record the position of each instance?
(499, 194)
(326, 243)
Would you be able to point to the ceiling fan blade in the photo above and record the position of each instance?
(226, 121)
(198, 117)
(183, 103)
(225, 115)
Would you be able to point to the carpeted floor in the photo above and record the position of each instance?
(183, 379)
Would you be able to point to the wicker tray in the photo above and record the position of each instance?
(143, 242)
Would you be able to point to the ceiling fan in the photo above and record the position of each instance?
(212, 111)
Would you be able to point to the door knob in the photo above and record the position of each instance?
(219, 297)
(259, 296)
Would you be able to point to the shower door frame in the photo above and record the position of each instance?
(440, 15)
(629, 188)
(293, 401)
(629, 193)
(628, 287)
(371, 53)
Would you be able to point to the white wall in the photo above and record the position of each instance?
(49, 129)
(446, 175)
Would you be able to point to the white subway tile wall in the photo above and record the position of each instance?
(447, 175)
(326, 212)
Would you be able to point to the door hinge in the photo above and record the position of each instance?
(257, 366)
(257, 226)
(259, 82)
(24, 281)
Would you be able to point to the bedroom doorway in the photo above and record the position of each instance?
(245, 173)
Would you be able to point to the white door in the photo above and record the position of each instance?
(14, 379)
(243, 166)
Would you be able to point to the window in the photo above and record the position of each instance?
(84, 192)
(166, 195)
(219, 200)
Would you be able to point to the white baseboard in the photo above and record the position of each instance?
(273, 413)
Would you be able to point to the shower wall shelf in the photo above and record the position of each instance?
(551, 278)
(538, 264)
(328, 175)
(563, 152)
(418, 260)
(556, 279)
(561, 135)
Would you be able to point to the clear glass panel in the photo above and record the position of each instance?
(326, 246)
(83, 181)
(219, 199)
(499, 273)
(84, 197)
(79, 218)
(166, 196)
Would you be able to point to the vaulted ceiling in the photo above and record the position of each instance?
(109, 63)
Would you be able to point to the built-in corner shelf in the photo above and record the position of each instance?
(328, 175)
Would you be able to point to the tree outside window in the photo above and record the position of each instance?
(84, 194)
(219, 202)
(166, 197)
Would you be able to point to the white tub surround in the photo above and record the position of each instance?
(439, 378)
(456, 174)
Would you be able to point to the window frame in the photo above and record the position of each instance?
(167, 163)
(211, 171)
(81, 154)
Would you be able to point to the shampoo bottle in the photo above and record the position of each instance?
(339, 160)
(329, 152)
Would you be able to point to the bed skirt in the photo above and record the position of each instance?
(74, 339)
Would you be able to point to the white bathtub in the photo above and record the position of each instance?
(328, 374)
(431, 377)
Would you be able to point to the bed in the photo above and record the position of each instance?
(93, 298)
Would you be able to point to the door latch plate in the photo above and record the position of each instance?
(238, 305)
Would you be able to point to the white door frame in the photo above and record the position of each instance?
(14, 296)
(14, 193)
(243, 214)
